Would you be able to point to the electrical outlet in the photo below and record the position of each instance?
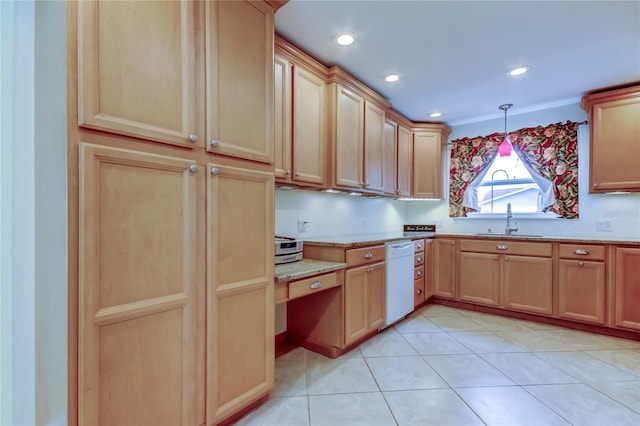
(303, 225)
(605, 225)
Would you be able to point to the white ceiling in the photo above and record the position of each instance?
(452, 56)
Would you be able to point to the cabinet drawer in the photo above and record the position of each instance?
(419, 245)
(418, 272)
(418, 259)
(506, 247)
(365, 255)
(313, 285)
(581, 251)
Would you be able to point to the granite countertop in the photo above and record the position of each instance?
(365, 239)
(544, 238)
(304, 268)
(357, 240)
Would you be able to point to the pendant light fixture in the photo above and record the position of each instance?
(504, 149)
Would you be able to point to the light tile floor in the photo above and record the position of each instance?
(447, 366)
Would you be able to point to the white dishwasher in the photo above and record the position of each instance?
(399, 279)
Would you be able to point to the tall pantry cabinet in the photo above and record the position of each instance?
(170, 156)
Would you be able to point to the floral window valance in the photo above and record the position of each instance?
(551, 151)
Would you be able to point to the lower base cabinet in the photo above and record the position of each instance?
(479, 278)
(581, 291)
(527, 284)
(627, 288)
(364, 293)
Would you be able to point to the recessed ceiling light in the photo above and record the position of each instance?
(391, 78)
(519, 70)
(344, 39)
(435, 114)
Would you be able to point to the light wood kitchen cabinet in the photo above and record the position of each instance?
(240, 87)
(374, 138)
(404, 161)
(614, 143)
(508, 274)
(137, 306)
(397, 164)
(444, 261)
(356, 134)
(171, 311)
(627, 288)
(138, 71)
(240, 315)
(582, 283)
(428, 142)
(423, 281)
(300, 117)
(364, 293)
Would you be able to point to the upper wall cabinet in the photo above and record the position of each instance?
(239, 101)
(356, 134)
(137, 70)
(614, 119)
(300, 117)
(397, 162)
(428, 141)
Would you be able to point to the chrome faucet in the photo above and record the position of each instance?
(509, 228)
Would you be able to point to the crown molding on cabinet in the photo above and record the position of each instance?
(294, 54)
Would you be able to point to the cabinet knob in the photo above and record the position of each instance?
(581, 252)
(369, 269)
(193, 168)
(419, 273)
(215, 143)
(596, 184)
(506, 258)
(193, 138)
(297, 173)
(419, 246)
(369, 255)
(419, 259)
(215, 171)
(419, 291)
(495, 257)
(316, 284)
(581, 264)
(288, 172)
(501, 247)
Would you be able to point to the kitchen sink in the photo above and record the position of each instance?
(510, 235)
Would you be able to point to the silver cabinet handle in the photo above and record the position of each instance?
(369, 255)
(316, 284)
(581, 252)
(193, 138)
(215, 143)
(501, 247)
(215, 171)
(419, 273)
(193, 168)
(419, 259)
(581, 264)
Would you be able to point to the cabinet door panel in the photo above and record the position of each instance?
(528, 283)
(581, 291)
(373, 148)
(136, 69)
(427, 165)
(240, 86)
(390, 156)
(376, 297)
(282, 117)
(355, 302)
(444, 267)
(404, 161)
(309, 127)
(349, 138)
(239, 289)
(479, 278)
(137, 281)
(627, 290)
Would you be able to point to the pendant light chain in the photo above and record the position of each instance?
(505, 147)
